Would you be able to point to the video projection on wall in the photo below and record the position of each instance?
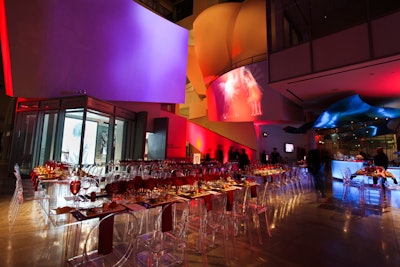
(237, 95)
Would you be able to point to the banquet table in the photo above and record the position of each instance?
(58, 204)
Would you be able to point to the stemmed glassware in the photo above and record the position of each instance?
(86, 184)
(75, 187)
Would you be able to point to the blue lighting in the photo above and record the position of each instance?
(352, 109)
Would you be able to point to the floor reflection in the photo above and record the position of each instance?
(306, 231)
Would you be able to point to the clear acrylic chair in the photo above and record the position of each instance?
(297, 179)
(239, 218)
(259, 206)
(375, 193)
(349, 185)
(17, 198)
(197, 225)
(112, 241)
(216, 209)
(278, 187)
(166, 245)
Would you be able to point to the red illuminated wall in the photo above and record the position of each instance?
(204, 139)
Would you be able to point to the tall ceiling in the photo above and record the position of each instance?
(377, 82)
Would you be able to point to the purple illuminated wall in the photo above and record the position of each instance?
(114, 49)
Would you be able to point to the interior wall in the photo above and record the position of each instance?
(205, 140)
(157, 141)
(277, 137)
(176, 137)
(239, 132)
(153, 110)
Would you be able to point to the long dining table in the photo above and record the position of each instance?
(60, 209)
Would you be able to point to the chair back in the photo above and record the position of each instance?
(117, 232)
(241, 200)
(262, 195)
(197, 212)
(216, 209)
(178, 212)
(17, 198)
(346, 175)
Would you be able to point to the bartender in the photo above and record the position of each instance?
(362, 153)
(381, 159)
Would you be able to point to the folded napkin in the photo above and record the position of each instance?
(208, 202)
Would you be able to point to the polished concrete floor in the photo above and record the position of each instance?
(305, 232)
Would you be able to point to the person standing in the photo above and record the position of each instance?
(263, 157)
(363, 154)
(316, 163)
(208, 156)
(219, 154)
(243, 159)
(275, 156)
(231, 154)
(236, 155)
(381, 159)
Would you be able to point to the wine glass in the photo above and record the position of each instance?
(86, 184)
(75, 187)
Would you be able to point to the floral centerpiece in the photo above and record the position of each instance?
(375, 171)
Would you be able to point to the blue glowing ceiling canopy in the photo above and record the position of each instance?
(353, 110)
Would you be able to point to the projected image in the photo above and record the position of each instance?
(235, 96)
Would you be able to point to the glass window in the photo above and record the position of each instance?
(119, 139)
(49, 134)
(72, 135)
(97, 138)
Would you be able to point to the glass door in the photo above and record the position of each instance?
(23, 147)
(97, 138)
(90, 148)
(72, 135)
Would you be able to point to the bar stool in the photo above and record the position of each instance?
(375, 194)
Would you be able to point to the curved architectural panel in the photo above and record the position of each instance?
(227, 34)
(213, 38)
(112, 50)
(250, 31)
